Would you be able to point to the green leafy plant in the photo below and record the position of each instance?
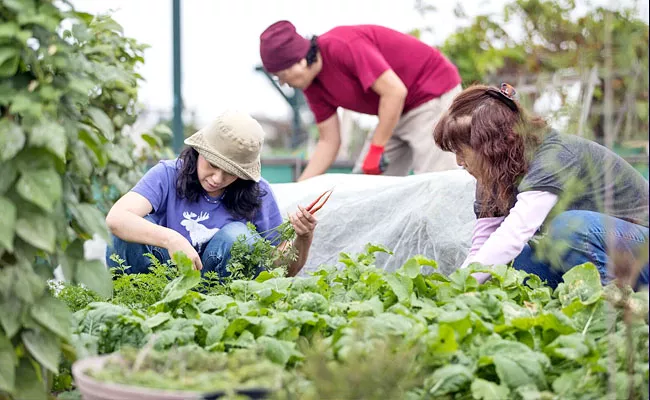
(192, 368)
(76, 297)
(140, 291)
(267, 250)
(66, 92)
(249, 256)
(355, 330)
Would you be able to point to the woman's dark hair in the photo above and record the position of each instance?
(312, 53)
(503, 135)
(242, 198)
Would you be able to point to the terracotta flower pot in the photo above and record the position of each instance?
(93, 389)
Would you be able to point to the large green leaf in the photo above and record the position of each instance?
(37, 230)
(30, 385)
(41, 187)
(48, 21)
(50, 135)
(44, 346)
(34, 158)
(411, 268)
(566, 383)
(216, 304)
(163, 130)
(95, 275)
(441, 342)
(54, 315)
(29, 287)
(157, 320)
(449, 379)
(377, 248)
(12, 139)
(9, 30)
(88, 137)
(6, 282)
(278, 351)
(91, 219)
(10, 311)
(9, 59)
(581, 282)
(179, 286)
(8, 361)
(152, 140)
(119, 156)
(459, 320)
(27, 104)
(486, 390)
(516, 363)
(216, 332)
(102, 122)
(81, 162)
(518, 369)
(73, 253)
(20, 6)
(401, 285)
(8, 176)
(183, 262)
(555, 321)
(7, 223)
(571, 347)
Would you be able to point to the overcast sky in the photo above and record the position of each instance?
(220, 42)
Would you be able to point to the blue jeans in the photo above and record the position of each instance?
(578, 237)
(214, 257)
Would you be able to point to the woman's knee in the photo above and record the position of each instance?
(132, 255)
(572, 223)
(115, 247)
(232, 231)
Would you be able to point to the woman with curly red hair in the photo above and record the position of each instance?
(536, 185)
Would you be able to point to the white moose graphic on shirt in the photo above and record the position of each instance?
(198, 232)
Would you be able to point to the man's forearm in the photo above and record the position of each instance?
(390, 111)
(320, 161)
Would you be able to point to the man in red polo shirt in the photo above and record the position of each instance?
(373, 70)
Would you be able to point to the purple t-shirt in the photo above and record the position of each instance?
(198, 221)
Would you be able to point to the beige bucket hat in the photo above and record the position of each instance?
(232, 142)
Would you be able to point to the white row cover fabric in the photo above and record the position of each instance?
(429, 214)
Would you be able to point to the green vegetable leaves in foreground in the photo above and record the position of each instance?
(355, 331)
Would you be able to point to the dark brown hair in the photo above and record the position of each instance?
(312, 53)
(242, 198)
(503, 135)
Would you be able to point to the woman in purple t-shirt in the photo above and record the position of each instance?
(200, 203)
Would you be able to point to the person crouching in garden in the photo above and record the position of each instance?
(373, 70)
(537, 186)
(200, 202)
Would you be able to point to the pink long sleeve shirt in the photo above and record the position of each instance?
(499, 240)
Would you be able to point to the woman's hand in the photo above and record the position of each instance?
(178, 242)
(482, 277)
(303, 223)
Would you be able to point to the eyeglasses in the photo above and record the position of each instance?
(506, 94)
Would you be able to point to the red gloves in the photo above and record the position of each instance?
(374, 164)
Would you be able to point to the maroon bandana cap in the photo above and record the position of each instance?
(281, 46)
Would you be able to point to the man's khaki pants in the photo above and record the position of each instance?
(412, 145)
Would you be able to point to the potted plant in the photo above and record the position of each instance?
(187, 372)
